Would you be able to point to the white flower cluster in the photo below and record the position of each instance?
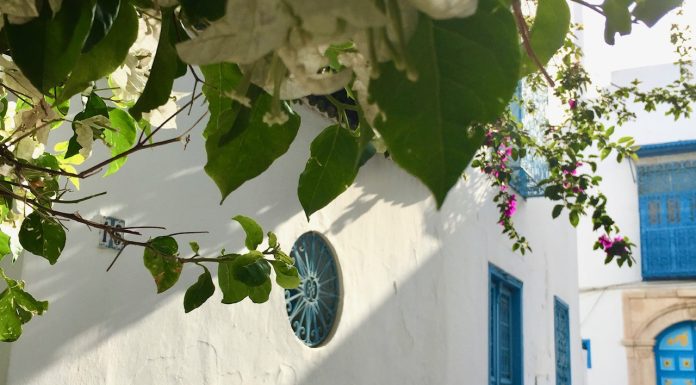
(281, 44)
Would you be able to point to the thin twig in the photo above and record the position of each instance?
(524, 32)
(116, 257)
(187, 233)
(70, 201)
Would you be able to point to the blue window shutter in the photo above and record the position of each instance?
(562, 338)
(667, 199)
(505, 329)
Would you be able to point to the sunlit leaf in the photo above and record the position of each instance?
(287, 275)
(547, 34)
(254, 232)
(121, 139)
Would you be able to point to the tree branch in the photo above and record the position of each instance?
(524, 32)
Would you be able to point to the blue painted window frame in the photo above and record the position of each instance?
(667, 205)
(561, 327)
(504, 288)
(587, 346)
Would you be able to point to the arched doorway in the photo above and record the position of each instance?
(674, 355)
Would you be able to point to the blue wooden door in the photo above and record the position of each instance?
(674, 355)
(505, 329)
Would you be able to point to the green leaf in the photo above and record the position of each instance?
(160, 258)
(651, 11)
(105, 13)
(220, 79)
(166, 67)
(467, 72)
(574, 218)
(10, 322)
(330, 170)
(195, 247)
(107, 55)
(232, 289)
(43, 236)
(625, 139)
(556, 211)
(547, 34)
(47, 47)
(244, 146)
(120, 140)
(251, 269)
(16, 308)
(199, 292)
(618, 19)
(604, 153)
(272, 240)
(261, 293)
(4, 245)
(287, 275)
(254, 232)
(281, 256)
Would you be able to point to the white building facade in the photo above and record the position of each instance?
(426, 296)
(635, 318)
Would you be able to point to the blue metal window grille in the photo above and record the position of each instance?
(313, 306)
(530, 170)
(505, 328)
(674, 355)
(562, 338)
(587, 347)
(667, 201)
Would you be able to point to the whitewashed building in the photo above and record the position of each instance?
(425, 296)
(638, 322)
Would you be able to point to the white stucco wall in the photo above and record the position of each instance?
(415, 306)
(601, 322)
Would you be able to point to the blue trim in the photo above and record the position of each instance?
(669, 148)
(503, 288)
(587, 346)
(502, 275)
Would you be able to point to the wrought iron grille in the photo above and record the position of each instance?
(532, 169)
(314, 305)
